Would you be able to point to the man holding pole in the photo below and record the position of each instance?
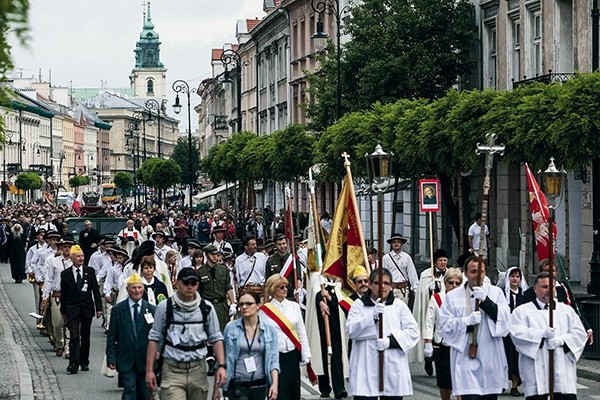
(477, 353)
(400, 334)
(535, 339)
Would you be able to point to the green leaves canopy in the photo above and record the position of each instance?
(28, 181)
(79, 180)
(159, 173)
(181, 156)
(123, 181)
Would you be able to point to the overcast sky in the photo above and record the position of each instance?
(85, 42)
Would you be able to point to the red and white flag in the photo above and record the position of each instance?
(540, 215)
(288, 266)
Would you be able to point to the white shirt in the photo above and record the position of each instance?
(54, 268)
(222, 245)
(402, 268)
(291, 310)
(98, 260)
(475, 233)
(250, 270)
(75, 270)
(161, 252)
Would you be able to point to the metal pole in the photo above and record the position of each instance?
(239, 96)
(380, 276)
(338, 89)
(190, 169)
(594, 285)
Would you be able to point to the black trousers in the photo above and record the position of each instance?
(289, 381)
(478, 397)
(380, 397)
(134, 385)
(336, 365)
(252, 393)
(557, 396)
(79, 346)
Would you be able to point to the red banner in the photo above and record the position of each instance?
(539, 214)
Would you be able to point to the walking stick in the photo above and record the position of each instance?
(327, 328)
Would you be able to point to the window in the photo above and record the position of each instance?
(490, 78)
(150, 87)
(537, 43)
(516, 50)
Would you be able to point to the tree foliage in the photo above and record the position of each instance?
(159, 173)
(181, 156)
(399, 49)
(123, 181)
(79, 180)
(28, 181)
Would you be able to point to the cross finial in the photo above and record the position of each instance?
(346, 157)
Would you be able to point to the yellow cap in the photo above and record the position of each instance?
(76, 249)
(134, 279)
(359, 270)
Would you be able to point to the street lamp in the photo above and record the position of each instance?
(332, 7)
(133, 142)
(231, 61)
(379, 168)
(61, 157)
(153, 105)
(36, 148)
(8, 135)
(181, 86)
(552, 186)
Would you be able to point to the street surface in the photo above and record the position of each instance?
(31, 369)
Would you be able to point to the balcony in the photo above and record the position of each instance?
(550, 77)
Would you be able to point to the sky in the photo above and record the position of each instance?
(85, 42)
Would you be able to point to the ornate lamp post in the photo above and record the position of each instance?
(61, 157)
(379, 168)
(8, 135)
(232, 62)
(133, 143)
(332, 7)
(153, 105)
(552, 187)
(181, 86)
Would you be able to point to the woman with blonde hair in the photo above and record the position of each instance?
(435, 347)
(294, 350)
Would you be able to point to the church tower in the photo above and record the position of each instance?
(148, 78)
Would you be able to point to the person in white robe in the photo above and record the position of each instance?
(129, 238)
(400, 334)
(533, 339)
(430, 282)
(485, 375)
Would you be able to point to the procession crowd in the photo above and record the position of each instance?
(180, 306)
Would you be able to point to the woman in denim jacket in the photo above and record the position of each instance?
(252, 354)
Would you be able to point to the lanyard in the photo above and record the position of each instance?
(250, 343)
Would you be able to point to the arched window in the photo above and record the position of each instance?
(150, 87)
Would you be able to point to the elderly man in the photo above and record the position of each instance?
(88, 240)
(80, 300)
(533, 338)
(128, 339)
(129, 237)
(400, 334)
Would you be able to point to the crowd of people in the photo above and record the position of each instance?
(179, 306)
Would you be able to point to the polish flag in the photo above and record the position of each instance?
(289, 265)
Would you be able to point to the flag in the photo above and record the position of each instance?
(289, 234)
(287, 266)
(315, 246)
(346, 246)
(539, 214)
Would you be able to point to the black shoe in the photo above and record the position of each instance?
(324, 395)
(341, 395)
(72, 368)
(85, 367)
(429, 367)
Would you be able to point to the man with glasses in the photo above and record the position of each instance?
(185, 324)
(400, 334)
(480, 369)
(431, 282)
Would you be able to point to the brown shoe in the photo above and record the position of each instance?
(515, 392)
(59, 352)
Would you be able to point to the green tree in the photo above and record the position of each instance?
(159, 173)
(398, 49)
(181, 156)
(290, 154)
(29, 181)
(123, 181)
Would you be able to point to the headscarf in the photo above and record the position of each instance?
(523, 285)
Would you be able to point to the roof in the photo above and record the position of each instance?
(82, 94)
(216, 54)
(251, 23)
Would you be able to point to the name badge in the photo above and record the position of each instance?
(149, 318)
(274, 267)
(204, 278)
(84, 288)
(250, 364)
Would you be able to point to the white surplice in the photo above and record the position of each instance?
(398, 322)
(487, 373)
(527, 325)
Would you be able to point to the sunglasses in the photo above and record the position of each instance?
(281, 287)
(384, 283)
(245, 304)
(454, 283)
(362, 281)
(190, 283)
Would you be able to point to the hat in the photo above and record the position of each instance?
(101, 239)
(397, 236)
(169, 238)
(439, 253)
(210, 249)
(134, 278)
(40, 231)
(219, 229)
(145, 249)
(159, 233)
(358, 271)
(67, 241)
(52, 235)
(194, 243)
(269, 243)
(298, 238)
(279, 236)
(118, 252)
(76, 250)
(227, 255)
(186, 275)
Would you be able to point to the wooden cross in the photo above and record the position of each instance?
(346, 157)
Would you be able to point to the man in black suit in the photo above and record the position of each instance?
(88, 240)
(80, 300)
(127, 340)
